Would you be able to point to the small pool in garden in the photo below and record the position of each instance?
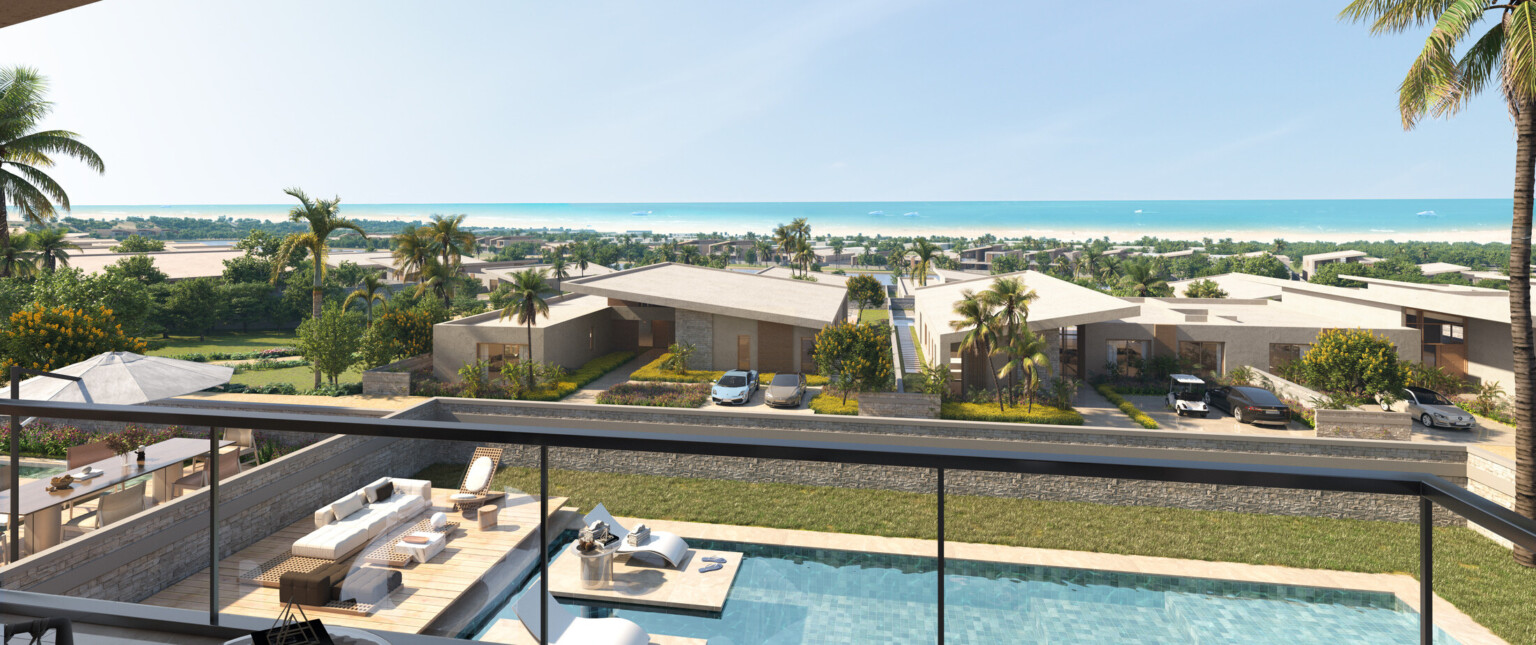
(787, 595)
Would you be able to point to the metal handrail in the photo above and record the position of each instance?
(855, 449)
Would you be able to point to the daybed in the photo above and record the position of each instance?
(346, 525)
(668, 546)
(566, 628)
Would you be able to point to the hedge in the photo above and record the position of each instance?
(653, 372)
(585, 374)
(1017, 414)
(1125, 406)
(661, 395)
(831, 403)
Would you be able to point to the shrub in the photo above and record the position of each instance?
(858, 356)
(655, 372)
(1128, 408)
(54, 441)
(267, 354)
(664, 395)
(829, 402)
(1433, 377)
(555, 383)
(47, 338)
(1041, 413)
(1352, 362)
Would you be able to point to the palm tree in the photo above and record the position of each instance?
(1439, 84)
(925, 251)
(678, 355)
(1064, 267)
(439, 279)
(369, 290)
(323, 221)
(804, 257)
(1142, 279)
(1027, 352)
(1278, 246)
(411, 252)
(52, 245)
(784, 239)
(764, 250)
(1090, 261)
(526, 303)
(448, 241)
(1011, 298)
(581, 254)
(25, 152)
(980, 333)
(559, 269)
(17, 259)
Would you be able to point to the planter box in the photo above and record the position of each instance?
(905, 405)
(394, 379)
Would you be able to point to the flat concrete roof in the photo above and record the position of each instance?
(821, 278)
(505, 273)
(1473, 302)
(720, 291)
(177, 265)
(568, 308)
(1437, 268)
(1334, 255)
(1060, 303)
(376, 259)
(1229, 312)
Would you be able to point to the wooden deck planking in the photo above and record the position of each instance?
(427, 589)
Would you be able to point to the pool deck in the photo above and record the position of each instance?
(512, 632)
(1447, 617)
(427, 589)
(639, 582)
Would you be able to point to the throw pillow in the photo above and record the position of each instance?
(479, 476)
(384, 491)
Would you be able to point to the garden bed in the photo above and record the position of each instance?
(1021, 413)
(661, 395)
(565, 386)
(832, 403)
(652, 372)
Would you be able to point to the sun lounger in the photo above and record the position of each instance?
(661, 543)
(570, 629)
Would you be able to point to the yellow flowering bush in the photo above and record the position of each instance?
(1353, 362)
(47, 338)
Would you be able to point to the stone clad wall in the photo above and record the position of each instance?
(697, 329)
(905, 405)
(1493, 477)
(394, 379)
(1364, 424)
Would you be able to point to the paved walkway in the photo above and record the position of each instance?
(588, 393)
(1098, 412)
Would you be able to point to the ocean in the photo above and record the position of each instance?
(1260, 220)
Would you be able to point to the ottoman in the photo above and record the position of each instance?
(367, 585)
(312, 588)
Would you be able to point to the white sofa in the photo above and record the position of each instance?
(347, 524)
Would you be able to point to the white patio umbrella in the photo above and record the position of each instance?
(125, 378)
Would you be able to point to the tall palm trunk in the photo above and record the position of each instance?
(1520, 319)
(5, 236)
(315, 298)
(530, 354)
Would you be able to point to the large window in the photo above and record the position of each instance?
(1070, 353)
(501, 354)
(1203, 358)
(1443, 339)
(1283, 354)
(1128, 356)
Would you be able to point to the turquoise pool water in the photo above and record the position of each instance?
(787, 595)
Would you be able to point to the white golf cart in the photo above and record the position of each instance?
(1186, 395)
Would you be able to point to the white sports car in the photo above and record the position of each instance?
(734, 388)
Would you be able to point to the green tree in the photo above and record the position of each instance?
(330, 341)
(866, 292)
(438, 279)
(323, 218)
(46, 338)
(559, 269)
(196, 305)
(924, 252)
(138, 244)
(1204, 289)
(1142, 280)
(247, 268)
(247, 303)
(137, 267)
(678, 355)
(527, 304)
(1027, 354)
(581, 256)
(446, 237)
(1010, 298)
(977, 318)
(1441, 83)
(370, 289)
(1265, 265)
(128, 299)
(1353, 362)
(855, 358)
(411, 252)
(17, 257)
(26, 152)
(53, 247)
(260, 244)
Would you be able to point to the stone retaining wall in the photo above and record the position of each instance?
(394, 379)
(903, 405)
(1364, 424)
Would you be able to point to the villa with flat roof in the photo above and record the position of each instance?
(734, 320)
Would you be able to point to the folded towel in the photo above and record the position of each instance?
(712, 567)
(714, 559)
(638, 536)
(439, 520)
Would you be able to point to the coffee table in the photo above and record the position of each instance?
(423, 552)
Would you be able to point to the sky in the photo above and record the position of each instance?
(198, 102)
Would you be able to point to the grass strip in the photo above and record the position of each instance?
(1128, 408)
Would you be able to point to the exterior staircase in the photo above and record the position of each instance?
(901, 318)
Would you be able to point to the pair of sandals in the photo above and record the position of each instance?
(718, 564)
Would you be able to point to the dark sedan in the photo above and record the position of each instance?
(1249, 404)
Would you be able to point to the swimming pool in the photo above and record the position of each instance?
(786, 595)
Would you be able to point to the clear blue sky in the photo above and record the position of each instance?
(198, 102)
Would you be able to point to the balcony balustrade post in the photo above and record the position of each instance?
(941, 553)
(1426, 571)
(14, 520)
(213, 525)
(543, 545)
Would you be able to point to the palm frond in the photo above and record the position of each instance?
(61, 142)
(30, 203)
(1476, 68)
(1519, 62)
(43, 182)
(1392, 16)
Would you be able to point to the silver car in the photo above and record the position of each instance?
(1435, 411)
(785, 391)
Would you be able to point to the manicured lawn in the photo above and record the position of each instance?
(232, 342)
(1473, 573)
(874, 315)
(302, 378)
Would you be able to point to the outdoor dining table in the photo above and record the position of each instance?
(43, 508)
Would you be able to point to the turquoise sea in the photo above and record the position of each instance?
(1338, 219)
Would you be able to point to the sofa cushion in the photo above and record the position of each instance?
(479, 475)
(371, 491)
(324, 516)
(347, 505)
(333, 541)
(419, 487)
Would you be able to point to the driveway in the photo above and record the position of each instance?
(756, 405)
(1097, 411)
(588, 393)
